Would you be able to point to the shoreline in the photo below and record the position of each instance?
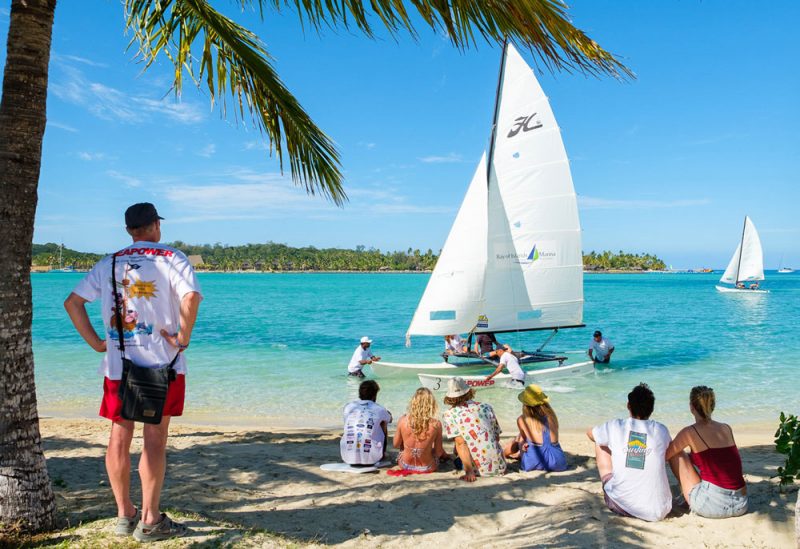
(254, 487)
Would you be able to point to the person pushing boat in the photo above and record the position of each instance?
(510, 362)
(361, 357)
(600, 349)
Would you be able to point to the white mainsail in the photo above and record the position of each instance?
(747, 263)
(513, 258)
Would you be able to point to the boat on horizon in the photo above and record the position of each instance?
(512, 261)
(61, 268)
(747, 264)
(782, 269)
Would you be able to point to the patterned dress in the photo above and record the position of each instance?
(477, 425)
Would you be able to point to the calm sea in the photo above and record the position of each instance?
(272, 349)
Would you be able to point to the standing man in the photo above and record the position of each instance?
(601, 347)
(361, 357)
(511, 363)
(159, 297)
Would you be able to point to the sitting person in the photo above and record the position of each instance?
(365, 427)
(486, 343)
(719, 490)
(453, 344)
(419, 435)
(474, 427)
(536, 446)
(630, 459)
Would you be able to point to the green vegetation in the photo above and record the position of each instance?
(280, 257)
(787, 442)
(622, 261)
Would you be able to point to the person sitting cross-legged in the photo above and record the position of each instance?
(630, 456)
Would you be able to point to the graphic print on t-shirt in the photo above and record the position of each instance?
(637, 450)
(128, 289)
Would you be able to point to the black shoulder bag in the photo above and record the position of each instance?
(143, 390)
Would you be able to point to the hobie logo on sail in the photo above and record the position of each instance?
(483, 321)
(525, 124)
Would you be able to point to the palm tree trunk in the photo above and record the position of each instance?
(26, 497)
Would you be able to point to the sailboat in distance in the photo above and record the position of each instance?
(512, 261)
(746, 267)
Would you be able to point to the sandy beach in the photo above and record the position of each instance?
(254, 487)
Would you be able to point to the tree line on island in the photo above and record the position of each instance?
(280, 257)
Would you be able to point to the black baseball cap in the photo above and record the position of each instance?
(598, 333)
(141, 215)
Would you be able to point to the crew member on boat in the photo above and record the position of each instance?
(486, 344)
(510, 362)
(454, 344)
(601, 347)
(361, 357)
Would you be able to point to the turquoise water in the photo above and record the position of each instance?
(272, 349)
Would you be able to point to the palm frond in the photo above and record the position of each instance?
(541, 26)
(233, 61)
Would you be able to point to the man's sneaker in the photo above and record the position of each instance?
(125, 526)
(166, 528)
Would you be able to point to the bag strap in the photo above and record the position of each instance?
(118, 318)
(117, 314)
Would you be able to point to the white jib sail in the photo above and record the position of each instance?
(454, 295)
(534, 269)
(750, 266)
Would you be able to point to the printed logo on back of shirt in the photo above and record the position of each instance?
(637, 450)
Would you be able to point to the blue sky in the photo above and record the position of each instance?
(668, 163)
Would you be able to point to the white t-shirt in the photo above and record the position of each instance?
(639, 478)
(455, 344)
(358, 355)
(512, 365)
(363, 440)
(601, 348)
(151, 281)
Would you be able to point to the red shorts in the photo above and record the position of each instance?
(112, 405)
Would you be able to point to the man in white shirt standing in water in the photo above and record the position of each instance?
(361, 357)
(511, 363)
(601, 347)
(157, 296)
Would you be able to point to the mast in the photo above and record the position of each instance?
(490, 157)
(741, 250)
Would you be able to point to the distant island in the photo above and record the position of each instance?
(282, 258)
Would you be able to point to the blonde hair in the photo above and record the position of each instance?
(421, 410)
(703, 401)
(541, 413)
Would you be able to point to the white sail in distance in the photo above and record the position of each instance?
(747, 263)
(513, 258)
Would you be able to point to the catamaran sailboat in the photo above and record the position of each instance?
(746, 267)
(61, 268)
(512, 261)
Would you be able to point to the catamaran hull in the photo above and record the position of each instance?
(723, 289)
(393, 369)
(439, 382)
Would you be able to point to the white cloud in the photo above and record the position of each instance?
(60, 126)
(90, 156)
(126, 179)
(74, 58)
(259, 145)
(594, 203)
(208, 150)
(446, 159)
(110, 103)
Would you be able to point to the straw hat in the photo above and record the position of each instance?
(533, 396)
(457, 387)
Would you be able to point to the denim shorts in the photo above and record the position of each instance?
(710, 501)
